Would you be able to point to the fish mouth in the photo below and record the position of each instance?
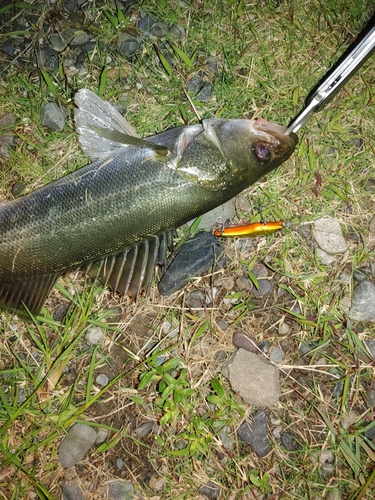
(275, 128)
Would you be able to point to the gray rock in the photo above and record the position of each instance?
(145, 429)
(363, 302)
(6, 142)
(334, 494)
(176, 31)
(52, 117)
(370, 344)
(256, 433)
(327, 233)
(159, 29)
(119, 463)
(259, 271)
(146, 22)
(257, 382)
(195, 84)
(370, 393)
(72, 491)
(7, 121)
(276, 355)
(220, 355)
(226, 438)
(210, 490)
(264, 287)
(102, 379)
(331, 152)
(49, 58)
(101, 435)
(324, 257)
(76, 444)
(94, 335)
(80, 38)
(195, 257)
(128, 45)
(120, 490)
(222, 213)
(223, 325)
(204, 94)
(8, 48)
(356, 140)
(17, 188)
(361, 274)
(60, 312)
(284, 329)
(288, 441)
(241, 340)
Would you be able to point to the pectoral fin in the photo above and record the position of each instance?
(129, 140)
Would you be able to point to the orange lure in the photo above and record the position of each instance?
(250, 230)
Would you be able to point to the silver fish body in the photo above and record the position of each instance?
(114, 215)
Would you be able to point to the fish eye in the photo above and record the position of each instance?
(262, 153)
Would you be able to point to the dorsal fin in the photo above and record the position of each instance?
(92, 112)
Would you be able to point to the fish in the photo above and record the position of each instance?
(114, 218)
(250, 230)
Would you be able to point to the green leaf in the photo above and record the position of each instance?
(53, 88)
(181, 54)
(164, 62)
(215, 400)
(217, 387)
(147, 378)
(178, 394)
(171, 364)
(195, 225)
(112, 19)
(103, 81)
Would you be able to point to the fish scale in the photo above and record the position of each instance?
(114, 217)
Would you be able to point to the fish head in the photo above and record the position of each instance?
(228, 155)
(250, 148)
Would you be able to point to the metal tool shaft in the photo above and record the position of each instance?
(336, 78)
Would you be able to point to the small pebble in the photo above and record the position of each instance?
(264, 346)
(328, 235)
(71, 491)
(284, 329)
(220, 356)
(102, 435)
(256, 433)
(145, 429)
(94, 335)
(76, 444)
(276, 355)
(265, 286)
(223, 325)
(240, 339)
(210, 490)
(165, 327)
(288, 441)
(157, 483)
(120, 490)
(119, 463)
(52, 117)
(243, 283)
(102, 379)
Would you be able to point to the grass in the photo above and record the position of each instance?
(163, 359)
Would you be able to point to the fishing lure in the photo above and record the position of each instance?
(250, 230)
